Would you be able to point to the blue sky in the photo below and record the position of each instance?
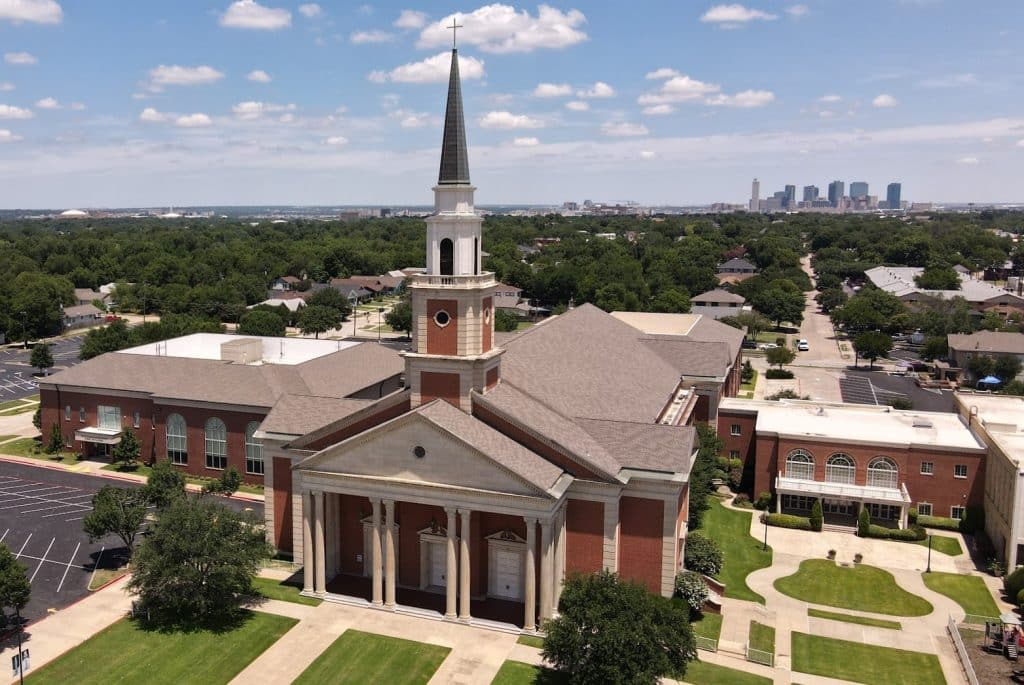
(119, 103)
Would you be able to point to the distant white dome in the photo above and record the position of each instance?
(74, 213)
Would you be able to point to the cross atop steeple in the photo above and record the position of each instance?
(455, 31)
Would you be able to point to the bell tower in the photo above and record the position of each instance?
(453, 349)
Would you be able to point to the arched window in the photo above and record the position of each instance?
(253, 450)
(447, 257)
(177, 439)
(883, 473)
(840, 468)
(216, 444)
(800, 464)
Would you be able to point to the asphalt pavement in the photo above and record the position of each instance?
(18, 378)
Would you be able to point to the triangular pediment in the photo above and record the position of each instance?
(413, 449)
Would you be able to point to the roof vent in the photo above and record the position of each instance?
(821, 411)
(921, 422)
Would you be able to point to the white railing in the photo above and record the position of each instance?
(759, 656)
(708, 644)
(461, 281)
(961, 652)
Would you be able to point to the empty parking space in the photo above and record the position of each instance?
(861, 390)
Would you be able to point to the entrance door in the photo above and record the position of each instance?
(508, 573)
(438, 565)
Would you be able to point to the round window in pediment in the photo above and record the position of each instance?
(420, 451)
(442, 318)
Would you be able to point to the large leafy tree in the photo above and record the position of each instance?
(871, 309)
(262, 322)
(613, 631)
(197, 564)
(871, 345)
(780, 356)
(329, 297)
(1006, 367)
(165, 485)
(399, 317)
(318, 319)
(35, 303)
(42, 357)
(938, 277)
(116, 511)
(15, 589)
(780, 301)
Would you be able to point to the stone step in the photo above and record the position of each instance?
(835, 528)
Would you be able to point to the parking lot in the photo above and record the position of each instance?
(17, 378)
(879, 388)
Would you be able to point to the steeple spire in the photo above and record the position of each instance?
(454, 156)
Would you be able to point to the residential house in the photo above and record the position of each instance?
(962, 347)
(285, 283)
(718, 303)
(81, 315)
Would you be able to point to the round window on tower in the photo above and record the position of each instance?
(442, 318)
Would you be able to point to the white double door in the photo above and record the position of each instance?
(508, 574)
(438, 565)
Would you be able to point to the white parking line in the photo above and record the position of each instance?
(42, 499)
(2, 537)
(68, 567)
(43, 560)
(23, 546)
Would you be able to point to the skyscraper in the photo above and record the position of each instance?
(835, 192)
(755, 196)
(811, 193)
(858, 189)
(790, 197)
(892, 195)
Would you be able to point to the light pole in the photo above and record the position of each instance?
(21, 661)
(380, 322)
(929, 569)
(24, 329)
(764, 548)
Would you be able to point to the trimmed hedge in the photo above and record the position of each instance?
(789, 521)
(939, 522)
(911, 533)
(777, 374)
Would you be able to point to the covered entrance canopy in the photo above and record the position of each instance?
(847, 497)
(98, 436)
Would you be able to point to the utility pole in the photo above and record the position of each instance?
(24, 329)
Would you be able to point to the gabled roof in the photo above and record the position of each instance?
(644, 446)
(718, 295)
(302, 414)
(454, 154)
(994, 342)
(738, 263)
(82, 310)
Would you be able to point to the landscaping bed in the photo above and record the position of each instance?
(743, 554)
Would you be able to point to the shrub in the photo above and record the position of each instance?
(735, 477)
(912, 515)
(1013, 584)
(831, 554)
(719, 474)
(789, 521)
(938, 522)
(692, 589)
(900, 403)
(777, 374)
(817, 516)
(864, 523)
(787, 394)
(858, 557)
(764, 500)
(741, 500)
(747, 372)
(780, 341)
(909, 534)
(973, 520)
(56, 443)
(702, 554)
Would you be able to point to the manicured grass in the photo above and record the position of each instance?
(859, 620)
(358, 657)
(863, 588)
(762, 637)
(102, 576)
(5, 438)
(518, 673)
(709, 625)
(743, 555)
(276, 589)
(970, 592)
(32, 448)
(531, 641)
(703, 673)
(16, 404)
(140, 469)
(750, 385)
(19, 410)
(941, 543)
(862, 663)
(126, 653)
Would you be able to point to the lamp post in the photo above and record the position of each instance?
(21, 660)
(380, 322)
(24, 329)
(764, 548)
(929, 569)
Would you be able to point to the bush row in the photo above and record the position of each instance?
(776, 374)
(910, 534)
(938, 522)
(789, 521)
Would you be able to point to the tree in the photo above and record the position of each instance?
(332, 298)
(871, 309)
(752, 321)
(42, 357)
(262, 322)
(981, 365)
(37, 418)
(318, 319)
(56, 443)
(165, 485)
(505, 321)
(230, 480)
(780, 301)
(15, 588)
(830, 299)
(780, 356)
(871, 345)
(710, 446)
(399, 318)
(35, 303)
(108, 338)
(117, 511)
(938, 277)
(935, 347)
(671, 301)
(126, 452)
(1006, 367)
(864, 523)
(817, 516)
(599, 615)
(197, 564)
(702, 554)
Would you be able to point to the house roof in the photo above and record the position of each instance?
(900, 281)
(691, 357)
(684, 328)
(988, 341)
(718, 295)
(88, 294)
(644, 446)
(302, 414)
(738, 263)
(82, 310)
(290, 279)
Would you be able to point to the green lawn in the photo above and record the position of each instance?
(31, 448)
(275, 589)
(358, 657)
(762, 637)
(128, 654)
(24, 409)
(703, 673)
(862, 663)
(15, 404)
(863, 588)
(859, 620)
(743, 555)
(750, 386)
(140, 469)
(518, 673)
(709, 625)
(531, 641)
(944, 544)
(970, 592)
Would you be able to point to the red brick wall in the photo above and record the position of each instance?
(350, 531)
(195, 421)
(492, 377)
(766, 464)
(640, 542)
(702, 409)
(442, 340)
(434, 385)
(283, 504)
(487, 321)
(735, 378)
(584, 536)
(745, 443)
(53, 409)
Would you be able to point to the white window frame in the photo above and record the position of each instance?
(799, 468)
(957, 468)
(216, 439)
(67, 412)
(136, 419)
(81, 415)
(927, 468)
(953, 510)
(108, 417)
(840, 473)
(253, 450)
(736, 429)
(177, 443)
(924, 504)
(883, 477)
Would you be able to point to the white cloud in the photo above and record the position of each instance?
(501, 29)
(797, 11)
(6, 86)
(197, 120)
(577, 106)
(413, 119)
(176, 75)
(830, 98)
(254, 110)
(623, 129)
(249, 14)
(731, 15)
(949, 81)
(337, 141)
(12, 112)
(507, 120)
(659, 110)
(35, 11)
(968, 161)
(362, 37)
(679, 88)
(310, 10)
(884, 100)
(600, 89)
(745, 99)
(552, 90)
(151, 116)
(7, 137)
(78, 107)
(1020, 143)
(20, 58)
(647, 154)
(286, 118)
(526, 142)
(259, 76)
(430, 70)
(47, 103)
(664, 72)
(411, 19)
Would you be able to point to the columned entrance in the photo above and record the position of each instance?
(841, 503)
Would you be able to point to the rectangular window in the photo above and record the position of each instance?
(81, 414)
(885, 512)
(960, 471)
(924, 509)
(734, 454)
(136, 419)
(956, 513)
(67, 412)
(927, 468)
(797, 502)
(108, 417)
(735, 429)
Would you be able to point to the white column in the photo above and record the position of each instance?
(559, 557)
(320, 577)
(530, 576)
(336, 536)
(451, 575)
(903, 516)
(389, 552)
(307, 541)
(375, 560)
(546, 569)
(464, 575)
(778, 503)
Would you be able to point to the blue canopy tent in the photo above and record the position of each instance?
(990, 380)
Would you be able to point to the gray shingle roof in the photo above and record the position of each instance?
(645, 446)
(302, 414)
(718, 295)
(994, 342)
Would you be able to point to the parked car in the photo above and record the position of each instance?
(748, 344)
(766, 346)
(802, 345)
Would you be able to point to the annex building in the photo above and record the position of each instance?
(465, 477)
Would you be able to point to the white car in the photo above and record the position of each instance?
(802, 345)
(766, 346)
